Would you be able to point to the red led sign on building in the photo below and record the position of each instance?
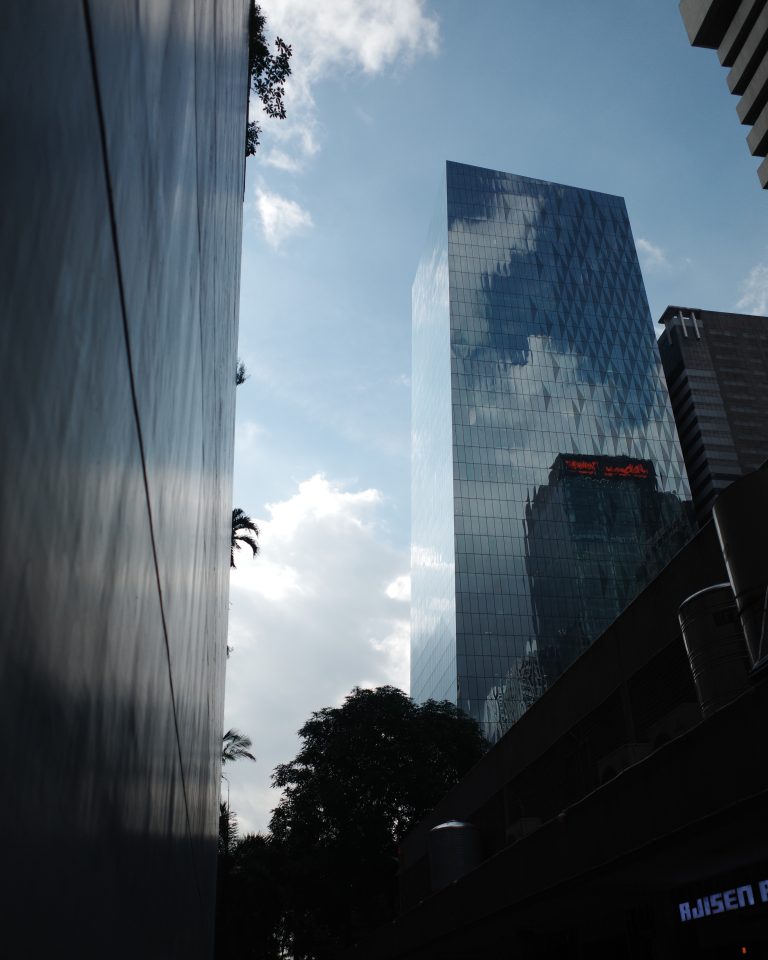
(594, 468)
(587, 468)
(630, 470)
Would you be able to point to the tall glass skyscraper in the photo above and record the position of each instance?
(548, 483)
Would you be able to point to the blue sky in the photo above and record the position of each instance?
(605, 94)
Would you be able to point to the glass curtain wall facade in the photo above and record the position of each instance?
(548, 485)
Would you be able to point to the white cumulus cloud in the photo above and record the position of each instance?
(400, 588)
(337, 35)
(651, 256)
(321, 609)
(754, 290)
(280, 217)
(316, 500)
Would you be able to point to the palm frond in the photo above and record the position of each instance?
(240, 522)
(250, 541)
(234, 746)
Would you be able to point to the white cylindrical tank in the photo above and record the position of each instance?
(741, 518)
(715, 645)
(454, 850)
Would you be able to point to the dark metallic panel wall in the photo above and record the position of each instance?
(119, 246)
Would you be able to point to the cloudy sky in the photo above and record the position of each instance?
(602, 94)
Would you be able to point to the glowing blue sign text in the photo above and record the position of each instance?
(735, 899)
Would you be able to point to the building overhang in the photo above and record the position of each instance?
(681, 820)
(706, 21)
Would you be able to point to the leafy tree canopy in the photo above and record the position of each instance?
(366, 773)
(267, 72)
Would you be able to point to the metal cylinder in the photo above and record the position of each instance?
(715, 645)
(454, 850)
(741, 519)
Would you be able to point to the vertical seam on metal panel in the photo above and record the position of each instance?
(134, 400)
(200, 319)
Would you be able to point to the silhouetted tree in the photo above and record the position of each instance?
(241, 374)
(268, 73)
(241, 871)
(241, 522)
(235, 746)
(227, 829)
(250, 900)
(366, 773)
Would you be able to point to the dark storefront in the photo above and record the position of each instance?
(625, 815)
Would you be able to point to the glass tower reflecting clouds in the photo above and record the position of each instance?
(548, 483)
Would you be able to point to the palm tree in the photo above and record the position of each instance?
(234, 746)
(241, 521)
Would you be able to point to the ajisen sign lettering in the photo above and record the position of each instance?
(737, 898)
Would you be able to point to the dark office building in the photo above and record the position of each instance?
(532, 346)
(122, 190)
(716, 365)
(625, 814)
(738, 30)
(614, 519)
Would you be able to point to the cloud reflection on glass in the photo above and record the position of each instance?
(530, 296)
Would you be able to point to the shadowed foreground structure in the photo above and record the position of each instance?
(120, 255)
(624, 815)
